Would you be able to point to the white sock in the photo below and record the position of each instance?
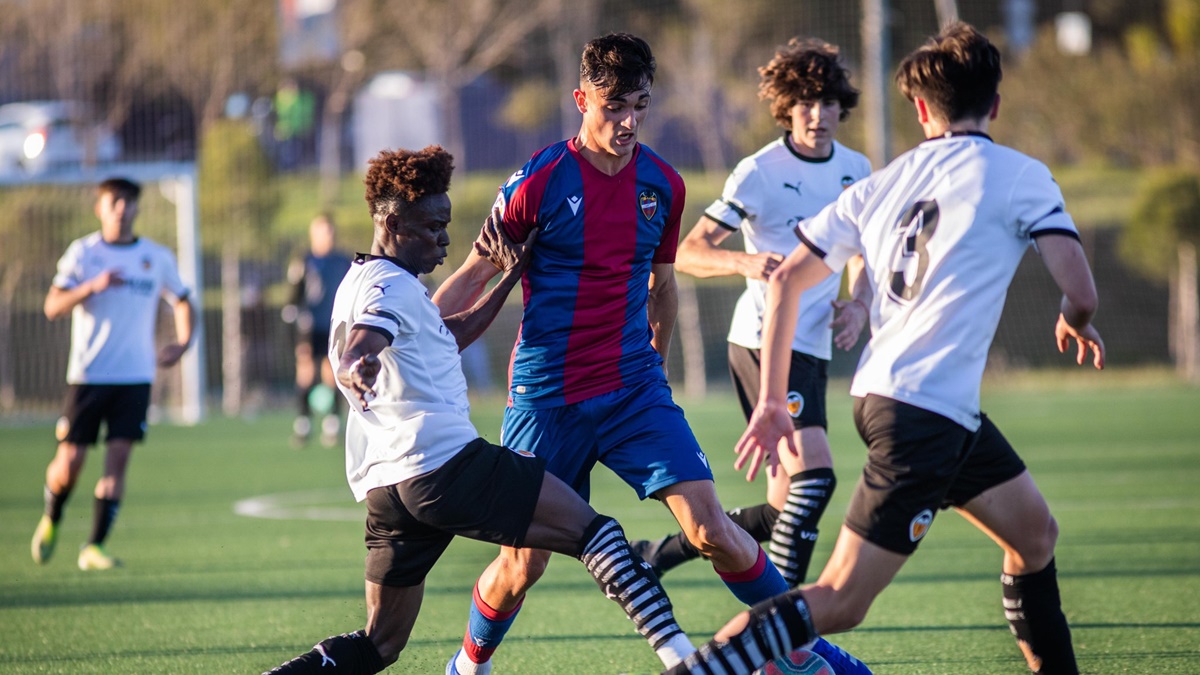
(465, 666)
(675, 650)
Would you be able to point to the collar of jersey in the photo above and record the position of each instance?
(959, 134)
(787, 143)
(360, 258)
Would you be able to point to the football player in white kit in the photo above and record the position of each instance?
(411, 451)
(766, 198)
(110, 282)
(942, 230)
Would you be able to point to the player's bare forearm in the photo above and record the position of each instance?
(468, 325)
(662, 306)
(359, 366)
(462, 288)
(185, 326)
(799, 272)
(700, 255)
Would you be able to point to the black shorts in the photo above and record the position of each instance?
(485, 492)
(917, 463)
(808, 378)
(121, 407)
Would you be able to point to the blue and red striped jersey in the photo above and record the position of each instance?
(585, 331)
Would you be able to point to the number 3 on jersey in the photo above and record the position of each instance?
(910, 258)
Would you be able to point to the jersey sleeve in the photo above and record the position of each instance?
(518, 210)
(69, 271)
(386, 307)
(1038, 205)
(740, 198)
(833, 234)
(668, 246)
(172, 284)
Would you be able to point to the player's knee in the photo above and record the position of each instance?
(520, 572)
(718, 537)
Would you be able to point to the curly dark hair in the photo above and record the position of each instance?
(957, 72)
(617, 64)
(805, 70)
(404, 176)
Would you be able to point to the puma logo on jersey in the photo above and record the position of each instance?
(382, 288)
(796, 187)
(574, 203)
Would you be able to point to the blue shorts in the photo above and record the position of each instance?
(637, 431)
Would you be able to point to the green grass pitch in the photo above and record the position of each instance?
(206, 590)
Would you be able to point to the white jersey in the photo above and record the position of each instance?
(420, 417)
(112, 332)
(942, 230)
(766, 197)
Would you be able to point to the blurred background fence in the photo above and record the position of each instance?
(246, 118)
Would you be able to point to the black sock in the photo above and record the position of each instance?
(54, 503)
(795, 534)
(302, 399)
(626, 579)
(676, 549)
(776, 627)
(1034, 612)
(104, 512)
(346, 654)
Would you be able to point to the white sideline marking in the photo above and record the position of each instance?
(306, 505)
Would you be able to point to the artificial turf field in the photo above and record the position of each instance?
(206, 590)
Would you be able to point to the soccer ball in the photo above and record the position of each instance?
(798, 662)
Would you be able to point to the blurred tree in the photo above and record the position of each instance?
(454, 41)
(238, 200)
(1161, 241)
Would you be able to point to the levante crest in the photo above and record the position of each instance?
(648, 201)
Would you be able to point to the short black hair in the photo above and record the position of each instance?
(805, 70)
(121, 189)
(396, 176)
(957, 72)
(617, 64)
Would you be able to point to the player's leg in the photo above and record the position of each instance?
(77, 430)
(331, 421)
(564, 439)
(306, 379)
(126, 419)
(1015, 515)
(855, 575)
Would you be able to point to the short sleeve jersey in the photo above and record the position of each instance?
(942, 230)
(112, 332)
(420, 417)
(766, 197)
(584, 331)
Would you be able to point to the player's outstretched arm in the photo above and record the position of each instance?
(462, 289)
(700, 255)
(60, 301)
(1065, 259)
(512, 258)
(359, 366)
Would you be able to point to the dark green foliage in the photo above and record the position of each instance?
(1165, 214)
(238, 196)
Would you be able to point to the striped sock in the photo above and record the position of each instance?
(776, 627)
(626, 579)
(794, 535)
(486, 628)
(756, 584)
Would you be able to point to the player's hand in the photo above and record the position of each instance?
(769, 432)
(105, 280)
(760, 265)
(494, 245)
(1086, 338)
(362, 376)
(170, 354)
(849, 318)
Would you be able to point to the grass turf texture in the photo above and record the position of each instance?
(205, 590)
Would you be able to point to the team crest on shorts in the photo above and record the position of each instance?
(920, 525)
(795, 403)
(648, 201)
(523, 453)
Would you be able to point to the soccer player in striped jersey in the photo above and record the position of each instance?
(588, 381)
(412, 453)
(766, 197)
(942, 230)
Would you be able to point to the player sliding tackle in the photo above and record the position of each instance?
(942, 230)
(411, 451)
